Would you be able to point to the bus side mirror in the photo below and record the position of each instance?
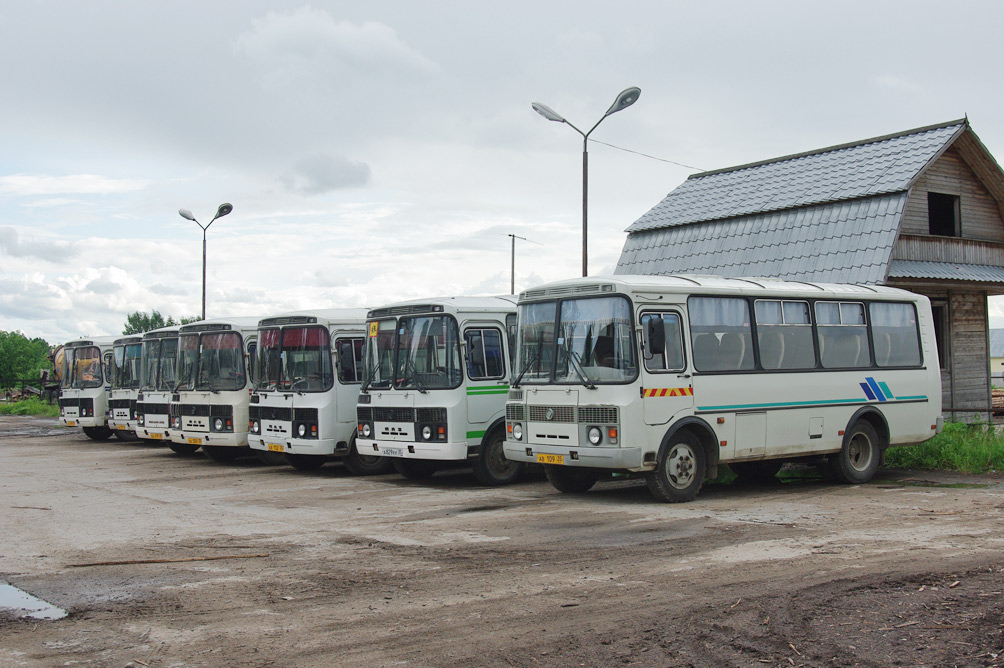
(655, 336)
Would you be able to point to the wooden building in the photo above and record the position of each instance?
(921, 210)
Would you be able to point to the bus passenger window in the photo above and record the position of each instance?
(894, 330)
(784, 334)
(843, 337)
(722, 334)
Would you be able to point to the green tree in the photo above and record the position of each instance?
(141, 321)
(21, 357)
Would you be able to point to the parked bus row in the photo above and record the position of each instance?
(663, 378)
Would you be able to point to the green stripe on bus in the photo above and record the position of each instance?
(475, 434)
(785, 404)
(488, 390)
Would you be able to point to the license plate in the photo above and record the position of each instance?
(392, 452)
(121, 426)
(195, 441)
(550, 459)
(156, 437)
(275, 447)
(71, 423)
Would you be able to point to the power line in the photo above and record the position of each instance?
(627, 150)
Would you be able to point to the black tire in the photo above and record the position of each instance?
(183, 448)
(859, 457)
(491, 468)
(569, 479)
(269, 458)
(358, 464)
(305, 462)
(223, 453)
(762, 471)
(414, 469)
(97, 433)
(681, 470)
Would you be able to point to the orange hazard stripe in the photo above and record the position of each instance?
(668, 392)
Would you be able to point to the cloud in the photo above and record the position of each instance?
(80, 184)
(12, 245)
(318, 174)
(895, 84)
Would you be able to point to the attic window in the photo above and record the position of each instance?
(943, 214)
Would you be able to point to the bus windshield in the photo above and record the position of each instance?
(296, 359)
(419, 352)
(84, 368)
(580, 341)
(126, 366)
(211, 361)
(159, 364)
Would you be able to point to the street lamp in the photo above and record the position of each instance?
(224, 209)
(626, 98)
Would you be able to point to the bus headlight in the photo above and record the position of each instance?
(301, 430)
(218, 424)
(427, 432)
(255, 427)
(517, 431)
(595, 435)
(367, 430)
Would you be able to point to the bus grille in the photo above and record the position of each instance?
(430, 414)
(270, 413)
(386, 414)
(561, 413)
(515, 412)
(515, 395)
(598, 414)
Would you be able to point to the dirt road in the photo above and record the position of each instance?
(273, 567)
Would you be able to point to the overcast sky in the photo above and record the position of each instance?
(382, 150)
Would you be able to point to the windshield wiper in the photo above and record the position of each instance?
(526, 367)
(410, 363)
(576, 364)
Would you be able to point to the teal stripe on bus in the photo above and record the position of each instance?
(787, 404)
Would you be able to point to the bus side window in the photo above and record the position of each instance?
(663, 341)
(484, 354)
(350, 359)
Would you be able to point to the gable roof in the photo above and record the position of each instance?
(870, 167)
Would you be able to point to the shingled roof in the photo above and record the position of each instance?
(827, 215)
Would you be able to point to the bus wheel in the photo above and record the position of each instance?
(269, 458)
(491, 468)
(222, 453)
(305, 462)
(183, 448)
(680, 473)
(762, 471)
(414, 469)
(570, 480)
(98, 433)
(858, 460)
(358, 464)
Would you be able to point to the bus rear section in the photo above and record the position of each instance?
(209, 408)
(158, 378)
(435, 382)
(752, 373)
(127, 355)
(84, 385)
(308, 373)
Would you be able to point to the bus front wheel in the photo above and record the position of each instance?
(305, 462)
(415, 469)
(681, 469)
(491, 468)
(223, 453)
(570, 480)
(98, 433)
(859, 457)
(183, 448)
(358, 464)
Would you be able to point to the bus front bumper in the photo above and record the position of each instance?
(221, 439)
(588, 457)
(413, 450)
(321, 447)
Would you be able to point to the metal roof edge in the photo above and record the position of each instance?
(873, 140)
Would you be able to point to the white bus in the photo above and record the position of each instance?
(435, 382)
(209, 408)
(84, 385)
(308, 374)
(672, 376)
(125, 373)
(157, 381)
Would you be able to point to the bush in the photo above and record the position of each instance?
(970, 448)
(31, 406)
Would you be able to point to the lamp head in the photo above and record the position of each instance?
(627, 97)
(224, 209)
(547, 112)
(185, 213)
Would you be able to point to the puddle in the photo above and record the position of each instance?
(24, 604)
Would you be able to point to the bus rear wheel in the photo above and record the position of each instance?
(570, 480)
(183, 448)
(98, 433)
(681, 469)
(358, 464)
(305, 462)
(491, 467)
(415, 469)
(859, 457)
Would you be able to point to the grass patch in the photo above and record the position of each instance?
(29, 407)
(969, 448)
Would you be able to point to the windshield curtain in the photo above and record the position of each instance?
(211, 361)
(84, 367)
(419, 352)
(594, 343)
(167, 364)
(297, 359)
(126, 366)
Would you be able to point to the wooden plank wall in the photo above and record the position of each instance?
(981, 217)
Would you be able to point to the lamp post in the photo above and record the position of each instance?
(223, 210)
(626, 98)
